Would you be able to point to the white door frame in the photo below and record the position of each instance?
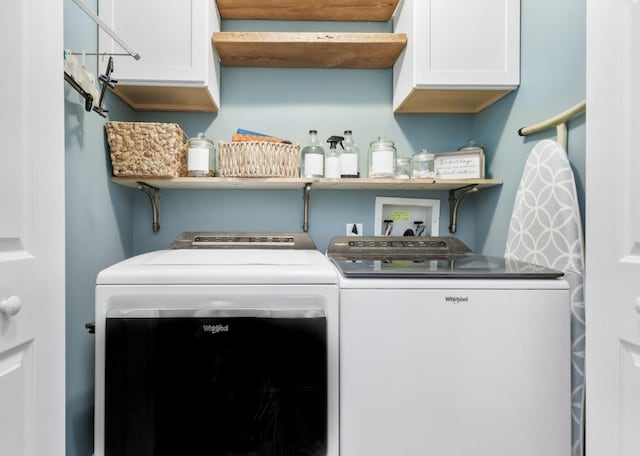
(613, 229)
(32, 236)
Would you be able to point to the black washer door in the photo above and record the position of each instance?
(234, 385)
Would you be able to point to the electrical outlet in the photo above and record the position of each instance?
(354, 229)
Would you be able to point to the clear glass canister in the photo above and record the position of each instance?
(199, 154)
(382, 158)
(403, 168)
(422, 165)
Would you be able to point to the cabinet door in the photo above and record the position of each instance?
(172, 38)
(467, 43)
(178, 70)
(461, 55)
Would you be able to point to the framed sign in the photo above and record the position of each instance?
(465, 164)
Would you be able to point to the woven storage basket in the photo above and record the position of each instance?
(259, 159)
(147, 149)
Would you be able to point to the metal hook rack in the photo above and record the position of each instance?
(88, 98)
(559, 121)
(107, 82)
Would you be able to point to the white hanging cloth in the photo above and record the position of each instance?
(546, 229)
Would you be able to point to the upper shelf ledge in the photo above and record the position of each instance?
(203, 183)
(314, 10)
(309, 50)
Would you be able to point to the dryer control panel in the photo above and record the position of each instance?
(231, 240)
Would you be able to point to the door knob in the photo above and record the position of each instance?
(636, 305)
(10, 306)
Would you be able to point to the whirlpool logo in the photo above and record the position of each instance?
(456, 299)
(215, 329)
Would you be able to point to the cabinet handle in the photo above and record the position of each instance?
(10, 306)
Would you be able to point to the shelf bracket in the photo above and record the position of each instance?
(154, 197)
(454, 203)
(305, 210)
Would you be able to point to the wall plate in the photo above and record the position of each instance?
(354, 229)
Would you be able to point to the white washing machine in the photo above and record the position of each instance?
(451, 354)
(225, 344)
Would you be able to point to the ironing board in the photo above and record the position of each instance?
(545, 229)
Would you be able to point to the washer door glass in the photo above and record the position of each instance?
(238, 384)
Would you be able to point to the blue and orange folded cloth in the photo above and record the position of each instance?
(248, 135)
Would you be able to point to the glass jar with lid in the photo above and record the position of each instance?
(471, 145)
(422, 165)
(199, 151)
(403, 168)
(382, 158)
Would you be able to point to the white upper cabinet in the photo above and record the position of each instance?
(461, 55)
(178, 69)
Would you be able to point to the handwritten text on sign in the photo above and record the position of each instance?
(460, 165)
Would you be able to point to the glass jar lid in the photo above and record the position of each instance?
(471, 145)
(423, 155)
(382, 143)
(200, 141)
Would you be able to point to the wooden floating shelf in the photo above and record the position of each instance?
(152, 186)
(309, 50)
(447, 101)
(318, 10)
(163, 98)
(276, 183)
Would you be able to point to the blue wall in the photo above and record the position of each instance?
(287, 103)
(553, 79)
(106, 222)
(99, 230)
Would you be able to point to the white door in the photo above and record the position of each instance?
(613, 228)
(31, 229)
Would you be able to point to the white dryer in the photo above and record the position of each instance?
(222, 345)
(443, 352)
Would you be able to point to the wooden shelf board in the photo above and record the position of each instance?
(401, 184)
(193, 183)
(443, 101)
(203, 183)
(317, 10)
(309, 50)
(163, 98)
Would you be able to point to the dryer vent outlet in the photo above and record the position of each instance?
(354, 229)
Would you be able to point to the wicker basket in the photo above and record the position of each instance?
(259, 159)
(147, 149)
